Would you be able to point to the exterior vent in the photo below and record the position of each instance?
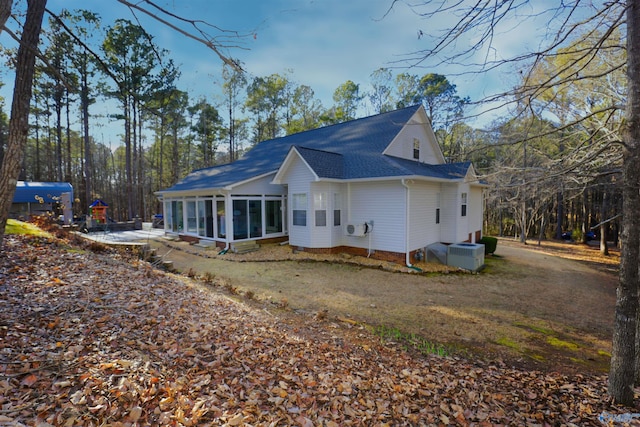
(469, 256)
(357, 230)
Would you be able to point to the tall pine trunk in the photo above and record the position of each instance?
(88, 164)
(604, 226)
(19, 121)
(623, 357)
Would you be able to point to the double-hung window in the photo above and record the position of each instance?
(463, 204)
(337, 209)
(320, 209)
(299, 207)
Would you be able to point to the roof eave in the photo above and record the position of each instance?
(395, 178)
(191, 193)
(246, 181)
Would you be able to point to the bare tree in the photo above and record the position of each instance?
(25, 63)
(19, 121)
(484, 22)
(623, 372)
(5, 12)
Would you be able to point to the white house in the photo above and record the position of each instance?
(377, 186)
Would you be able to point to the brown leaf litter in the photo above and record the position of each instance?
(91, 339)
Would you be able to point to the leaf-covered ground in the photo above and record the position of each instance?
(94, 339)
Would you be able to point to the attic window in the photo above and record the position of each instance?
(416, 148)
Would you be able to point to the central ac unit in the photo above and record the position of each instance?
(469, 256)
(357, 230)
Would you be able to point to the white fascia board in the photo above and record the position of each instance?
(396, 178)
(277, 179)
(199, 193)
(246, 181)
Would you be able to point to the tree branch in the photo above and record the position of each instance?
(204, 40)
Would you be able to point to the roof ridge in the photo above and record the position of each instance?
(348, 122)
(316, 149)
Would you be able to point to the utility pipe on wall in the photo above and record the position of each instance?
(406, 225)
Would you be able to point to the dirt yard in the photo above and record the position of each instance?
(548, 307)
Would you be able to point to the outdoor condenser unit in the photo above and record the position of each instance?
(469, 256)
(357, 230)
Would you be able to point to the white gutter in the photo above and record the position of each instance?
(406, 225)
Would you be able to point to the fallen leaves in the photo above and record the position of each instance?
(105, 342)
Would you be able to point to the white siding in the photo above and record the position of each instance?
(463, 221)
(337, 232)
(402, 145)
(298, 178)
(380, 202)
(475, 209)
(422, 215)
(322, 236)
(449, 213)
(259, 187)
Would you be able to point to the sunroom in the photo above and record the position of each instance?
(252, 217)
(251, 210)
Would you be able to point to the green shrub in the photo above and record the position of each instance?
(490, 244)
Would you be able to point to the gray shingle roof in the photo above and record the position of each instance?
(348, 150)
(324, 163)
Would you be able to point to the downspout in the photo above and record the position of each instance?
(406, 229)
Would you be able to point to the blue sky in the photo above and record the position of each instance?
(322, 42)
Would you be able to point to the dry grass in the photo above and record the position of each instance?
(549, 305)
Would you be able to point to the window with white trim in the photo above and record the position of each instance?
(220, 218)
(438, 208)
(299, 208)
(337, 209)
(416, 148)
(463, 204)
(192, 225)
(320, 209)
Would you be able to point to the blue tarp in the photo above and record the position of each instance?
(40, 192)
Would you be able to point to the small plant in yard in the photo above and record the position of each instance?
(228, 287)
(410, 341)
(321, 315)
(97, 247)
(208, 278)
(249, 295)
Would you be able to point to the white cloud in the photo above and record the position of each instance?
(328, 44)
